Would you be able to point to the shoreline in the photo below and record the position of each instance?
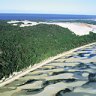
(42, 63)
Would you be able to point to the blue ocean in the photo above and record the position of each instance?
(8, 16)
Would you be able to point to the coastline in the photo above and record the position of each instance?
(38, 65)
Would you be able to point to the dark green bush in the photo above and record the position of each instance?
(22, 47)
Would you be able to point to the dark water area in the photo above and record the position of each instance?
(42, 17)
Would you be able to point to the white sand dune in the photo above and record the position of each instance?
(78, 28)
(24, 23)
(13, 21)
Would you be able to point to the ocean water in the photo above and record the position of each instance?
(44, 16)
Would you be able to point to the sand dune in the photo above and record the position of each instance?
(78, 28)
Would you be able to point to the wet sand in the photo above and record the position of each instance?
(65, 76)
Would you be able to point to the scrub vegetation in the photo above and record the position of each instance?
(22, 47)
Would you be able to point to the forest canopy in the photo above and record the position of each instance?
(22, 47)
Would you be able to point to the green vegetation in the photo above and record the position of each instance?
(22, 47)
